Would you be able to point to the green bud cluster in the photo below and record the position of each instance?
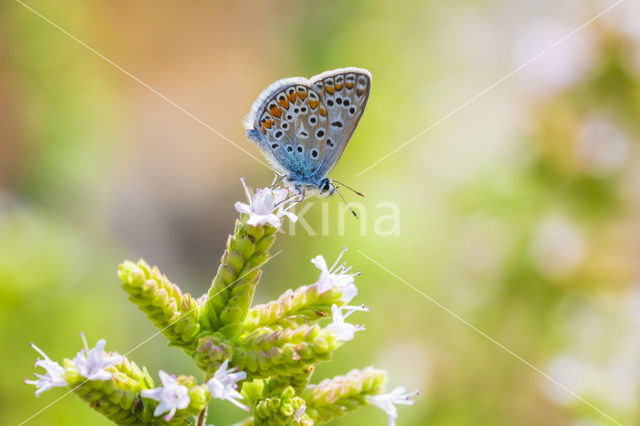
(335, 397)
(177, 315)
(119, 399)
(302, 306)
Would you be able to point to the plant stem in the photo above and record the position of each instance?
(202, 417)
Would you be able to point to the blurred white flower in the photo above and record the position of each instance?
(564, 63)
(223, 384)
(344, 330)
(558, 247)
(91, 363)
(52, 378)
(171, 395)
(407, 362)
(386, 402)
(633, 305)
(266, 206)
(601, 147)
(482, 244)
(300, 412)
(336, 276)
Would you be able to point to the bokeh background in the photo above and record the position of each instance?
(519, 212)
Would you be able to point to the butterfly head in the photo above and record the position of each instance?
(326, 187)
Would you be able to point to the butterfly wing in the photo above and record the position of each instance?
(345, 93)
(303, 126)
(289, 122)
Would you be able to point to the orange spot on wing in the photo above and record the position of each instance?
(284, 103)
(276, 111)
(349, 85)
(302, 95)
(313, 103)
(323, 111)
(339, 86)
(330, 89)
(268, 124)
(292, 97)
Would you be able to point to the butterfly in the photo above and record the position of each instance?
(304, 125)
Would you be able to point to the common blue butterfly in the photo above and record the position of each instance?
(303, 126)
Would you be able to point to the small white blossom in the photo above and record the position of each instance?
(300, 412)
(266, 206)
(52, 378)
(91, 363)
(223, 384)
(171, 395)
(386, 402)
(344, 330)
(336, 276)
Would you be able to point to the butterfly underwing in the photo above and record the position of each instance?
(304, 125)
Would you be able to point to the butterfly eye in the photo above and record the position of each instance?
(314, 153)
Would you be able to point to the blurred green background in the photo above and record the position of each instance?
(518, 212)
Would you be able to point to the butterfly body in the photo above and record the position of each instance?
(303, 125)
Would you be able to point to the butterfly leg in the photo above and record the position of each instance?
(301, 192)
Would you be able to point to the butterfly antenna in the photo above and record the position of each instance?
(357, 192)
(345, 201)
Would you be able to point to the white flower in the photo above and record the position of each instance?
(545, 70)
(602, 148)
(91, 363)
(300, 412)
(266, 206)
(336, 276)
(386, 402)
(559, 247)
(344, 330)
(223, 384)
(52, 378)
(171, 395)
